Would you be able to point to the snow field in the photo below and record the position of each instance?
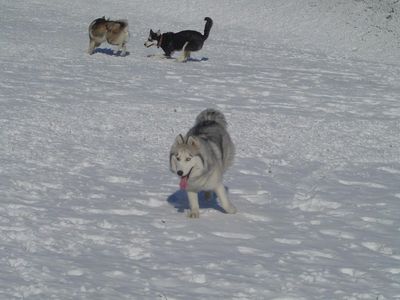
(89, 209)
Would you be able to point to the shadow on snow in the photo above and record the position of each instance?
(111, 52)
(190, 59)
(179, 200)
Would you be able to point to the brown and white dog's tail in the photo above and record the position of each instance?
(117, 26)
(123, 23)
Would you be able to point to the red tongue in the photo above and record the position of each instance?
(183, 183)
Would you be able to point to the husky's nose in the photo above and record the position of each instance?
(180, 173)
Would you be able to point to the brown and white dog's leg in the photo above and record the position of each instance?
(122, 48)
(91, 47)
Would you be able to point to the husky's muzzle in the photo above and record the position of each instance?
(184, 179)
(148, 44)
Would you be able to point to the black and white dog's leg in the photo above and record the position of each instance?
(185, 54)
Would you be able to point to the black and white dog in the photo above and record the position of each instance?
(187, 41)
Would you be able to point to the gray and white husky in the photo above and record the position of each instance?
(114, 32)
(201, 157)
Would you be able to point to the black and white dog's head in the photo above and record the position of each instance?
(153, 39)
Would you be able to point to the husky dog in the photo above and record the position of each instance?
(114, 32)
(187, 41)
(201, 157)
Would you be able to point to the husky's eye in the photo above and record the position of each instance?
(178, 158)
(188, 159)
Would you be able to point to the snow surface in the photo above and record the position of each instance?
(89, 209)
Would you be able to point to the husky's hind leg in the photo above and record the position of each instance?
(194, 205)
(93, 45)
(122, 48)
(223, 198)
(185, 54)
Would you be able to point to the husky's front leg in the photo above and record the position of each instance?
(223, 198)
(194, 205)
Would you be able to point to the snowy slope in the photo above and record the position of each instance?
(89, 210)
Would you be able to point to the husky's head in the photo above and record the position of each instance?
(153, 39)
(185, 159)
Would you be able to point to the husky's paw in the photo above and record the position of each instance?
(193, 214)
(181, 59)
(230, 210)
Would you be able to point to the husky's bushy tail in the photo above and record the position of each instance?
(210, 114)
(212, 124)
(207, 27)
(123, 23)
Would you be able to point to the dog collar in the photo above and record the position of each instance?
(159, 41)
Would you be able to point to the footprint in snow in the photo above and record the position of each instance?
(119, 212)
(378, 221)
(338, 234)
(366, 184)
(288, 241)
(260, 197)
(253, 252)
(118, 179)
(389, 170)
(377, 247)
(352, 272)
(114, 274)
(75, 272)
(232, 235)
(186, 238)
(189, 275)
(256, 218)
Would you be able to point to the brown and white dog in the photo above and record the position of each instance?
(114, 32)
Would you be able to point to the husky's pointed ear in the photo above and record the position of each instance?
(193, 142)
(179, 139)
(151, 32)
(159, 32)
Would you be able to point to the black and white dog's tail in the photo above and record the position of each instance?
(212, 115)
(207, 28)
